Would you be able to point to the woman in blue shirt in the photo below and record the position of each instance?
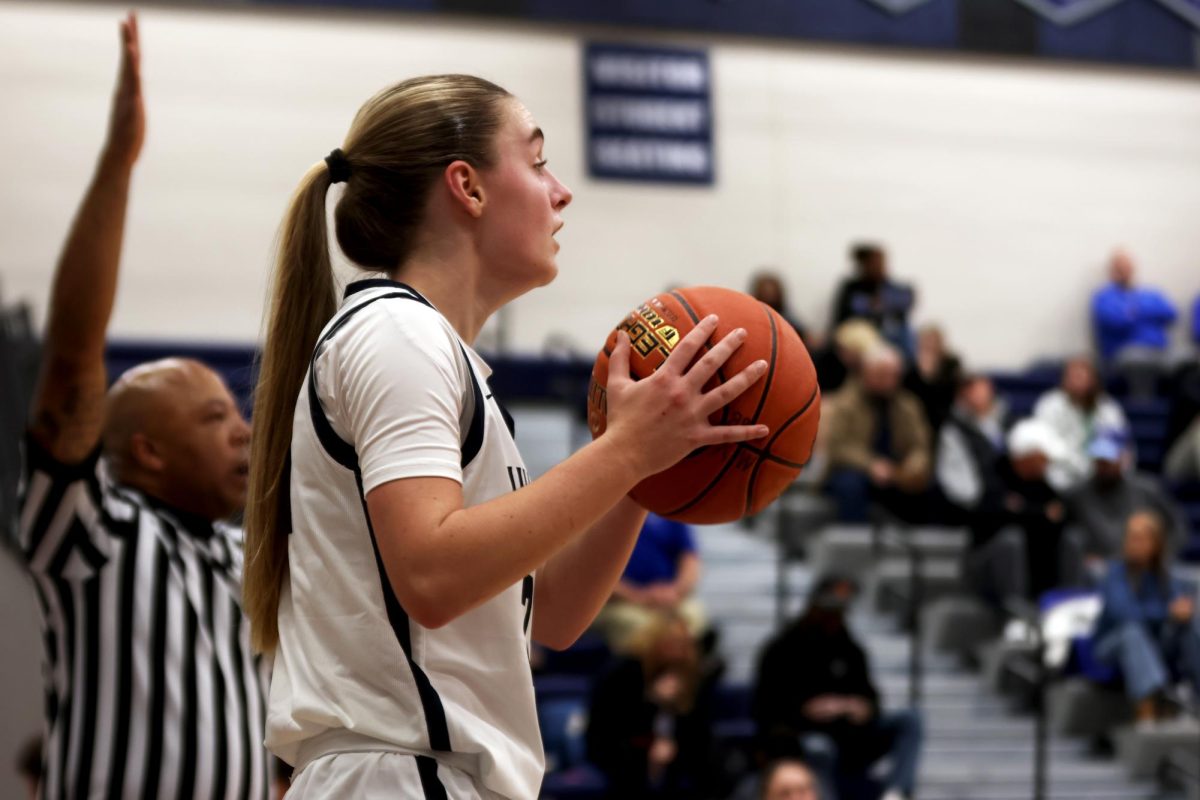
(1147, 628)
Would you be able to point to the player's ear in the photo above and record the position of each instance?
(463, 183)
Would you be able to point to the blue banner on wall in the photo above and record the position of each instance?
(1161, 33)
(649, 114)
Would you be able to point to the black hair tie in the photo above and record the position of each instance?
(339, 167)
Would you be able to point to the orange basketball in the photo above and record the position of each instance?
(722, 483)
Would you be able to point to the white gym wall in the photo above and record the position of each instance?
(999, 186)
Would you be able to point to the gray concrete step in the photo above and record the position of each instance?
(976, 747)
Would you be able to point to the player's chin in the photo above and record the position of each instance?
(549, 271)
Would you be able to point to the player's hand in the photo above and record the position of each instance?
(662, 418)
(127, 120)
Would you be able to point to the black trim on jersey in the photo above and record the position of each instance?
(342, 451)
(187, 771)
(344, 454)
(431, 703)
(473, 442)
(508, 418)
(376, 283)
(91, 679)
(158, 675)
(122, 703)
(431, 786)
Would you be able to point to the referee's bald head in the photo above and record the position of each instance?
(173, 431)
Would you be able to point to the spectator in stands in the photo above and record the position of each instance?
(841, 359)
(651, 716)
(933, 376)
(789, 779)
(877, 442)
(1183, 459)
(1015, 517)
(1196, 322)
(971, 443)
(662, 573)
(1075, 411)
(1128, 319)
(767, 287)
(814, 688)
(1103, 504)
(783, 777)
(1147, 627)
(873, 296)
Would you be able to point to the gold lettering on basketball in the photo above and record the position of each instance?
(598, 396)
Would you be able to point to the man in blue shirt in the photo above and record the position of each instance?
(661, 575)
(1196, 322)
(1125, 315)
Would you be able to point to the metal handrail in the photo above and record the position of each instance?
(1031, 615)
(883, 534)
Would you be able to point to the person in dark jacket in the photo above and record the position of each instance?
(971, 444)
(1103, 505)
(1148, 626)
(1016, 519)
(814, 687)
(873, 296)
(651, 715)
(934, 375)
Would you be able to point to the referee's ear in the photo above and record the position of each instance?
(144, 454)
(463, 183)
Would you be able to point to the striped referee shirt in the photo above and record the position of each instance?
(151, 687)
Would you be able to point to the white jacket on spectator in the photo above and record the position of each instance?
(1075, 428)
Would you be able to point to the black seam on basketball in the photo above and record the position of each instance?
(762, 454)
(687, 307)
(758, 464)
(762, 400)
(717, 479)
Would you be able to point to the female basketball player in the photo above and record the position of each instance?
(397, 562)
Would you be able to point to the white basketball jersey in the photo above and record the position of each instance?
(393, 393)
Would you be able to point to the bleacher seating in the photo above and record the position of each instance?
(563, 683)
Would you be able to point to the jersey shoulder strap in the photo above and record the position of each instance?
(341, 451)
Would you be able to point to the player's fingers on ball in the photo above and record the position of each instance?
(618, 361)
(689, 345)
(731, 434)
(717, 355)
(728, 391)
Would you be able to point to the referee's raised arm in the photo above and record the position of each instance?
(68, 408)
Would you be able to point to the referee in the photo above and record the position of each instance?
(151, 687)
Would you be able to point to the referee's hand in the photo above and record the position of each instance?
(127, 121)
